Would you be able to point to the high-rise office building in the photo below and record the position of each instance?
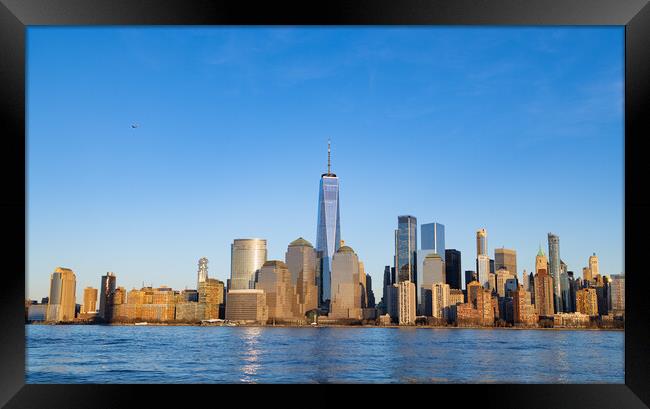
(105, 296)
(565, 289)
(554, 269)
(406, 244)
(203, 271)
(90, 300)
(301, 262)
(587, 301)
(346, 291)
(433, 271)
(211, 296)
(247, 306)
(543, 293)
(328, 234)
(406, 303)
(523, 309)
(371, 294)
(470, 276)
(440, 300)
(362, 285)
(617, 288)
(501, 277)
(483, 269)
(452, 269)
(586, 274)
(433, 238)
(246, 258)
(62, 300)
(505, 258)
(281, 298)
(481, 242)
(593, 265)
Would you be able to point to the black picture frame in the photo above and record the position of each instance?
(16, 15)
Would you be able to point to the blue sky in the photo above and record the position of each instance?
(517, 130)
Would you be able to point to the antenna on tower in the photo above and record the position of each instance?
(329, 160)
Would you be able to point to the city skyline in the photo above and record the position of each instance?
(152, 222)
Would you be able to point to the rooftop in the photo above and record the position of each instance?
(300, 242)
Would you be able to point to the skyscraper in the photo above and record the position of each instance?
(62, 302)
(440, 300)
(406, 244)
(346, 291)
(505, 258)
(481, 242)
(433, 238)
(246, 258)
(203, 271)
(593, 265)
(90, 300)
(301, 262)
(470, 276)
(275, 279)
(369, 290)
(105, 296)
(554, 269)
(452, 269)
(433, 271)
(565, 289)
(328, 233)
(483, 269)
(617, 295)
(406, 302)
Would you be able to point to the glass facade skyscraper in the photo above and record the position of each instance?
(406, 244)
(328, 234)
(554, 269)
(433, 238)
(247, 256)
(452, 268)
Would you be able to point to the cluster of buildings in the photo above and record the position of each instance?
(327, 283)
(424, 285)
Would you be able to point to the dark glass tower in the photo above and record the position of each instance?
(554, 269)
(406, 244)
(328, 234)
(105, 296)
(452, 268)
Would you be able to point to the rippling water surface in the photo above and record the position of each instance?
(127, 354)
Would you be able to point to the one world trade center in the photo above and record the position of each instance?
(328, 234)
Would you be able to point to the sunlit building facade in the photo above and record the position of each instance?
(481, 242)
(247, 306)
(281, 298)
(301, 262)
(617, 288)
(62, 299)
(346, 291)
(505, 258)
(90, 300)
(406, 303)
(246, 258)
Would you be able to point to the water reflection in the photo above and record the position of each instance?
(86, 354)
(251, 354)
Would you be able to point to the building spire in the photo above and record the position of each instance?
(329, 160)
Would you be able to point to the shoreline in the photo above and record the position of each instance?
(338, 326)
